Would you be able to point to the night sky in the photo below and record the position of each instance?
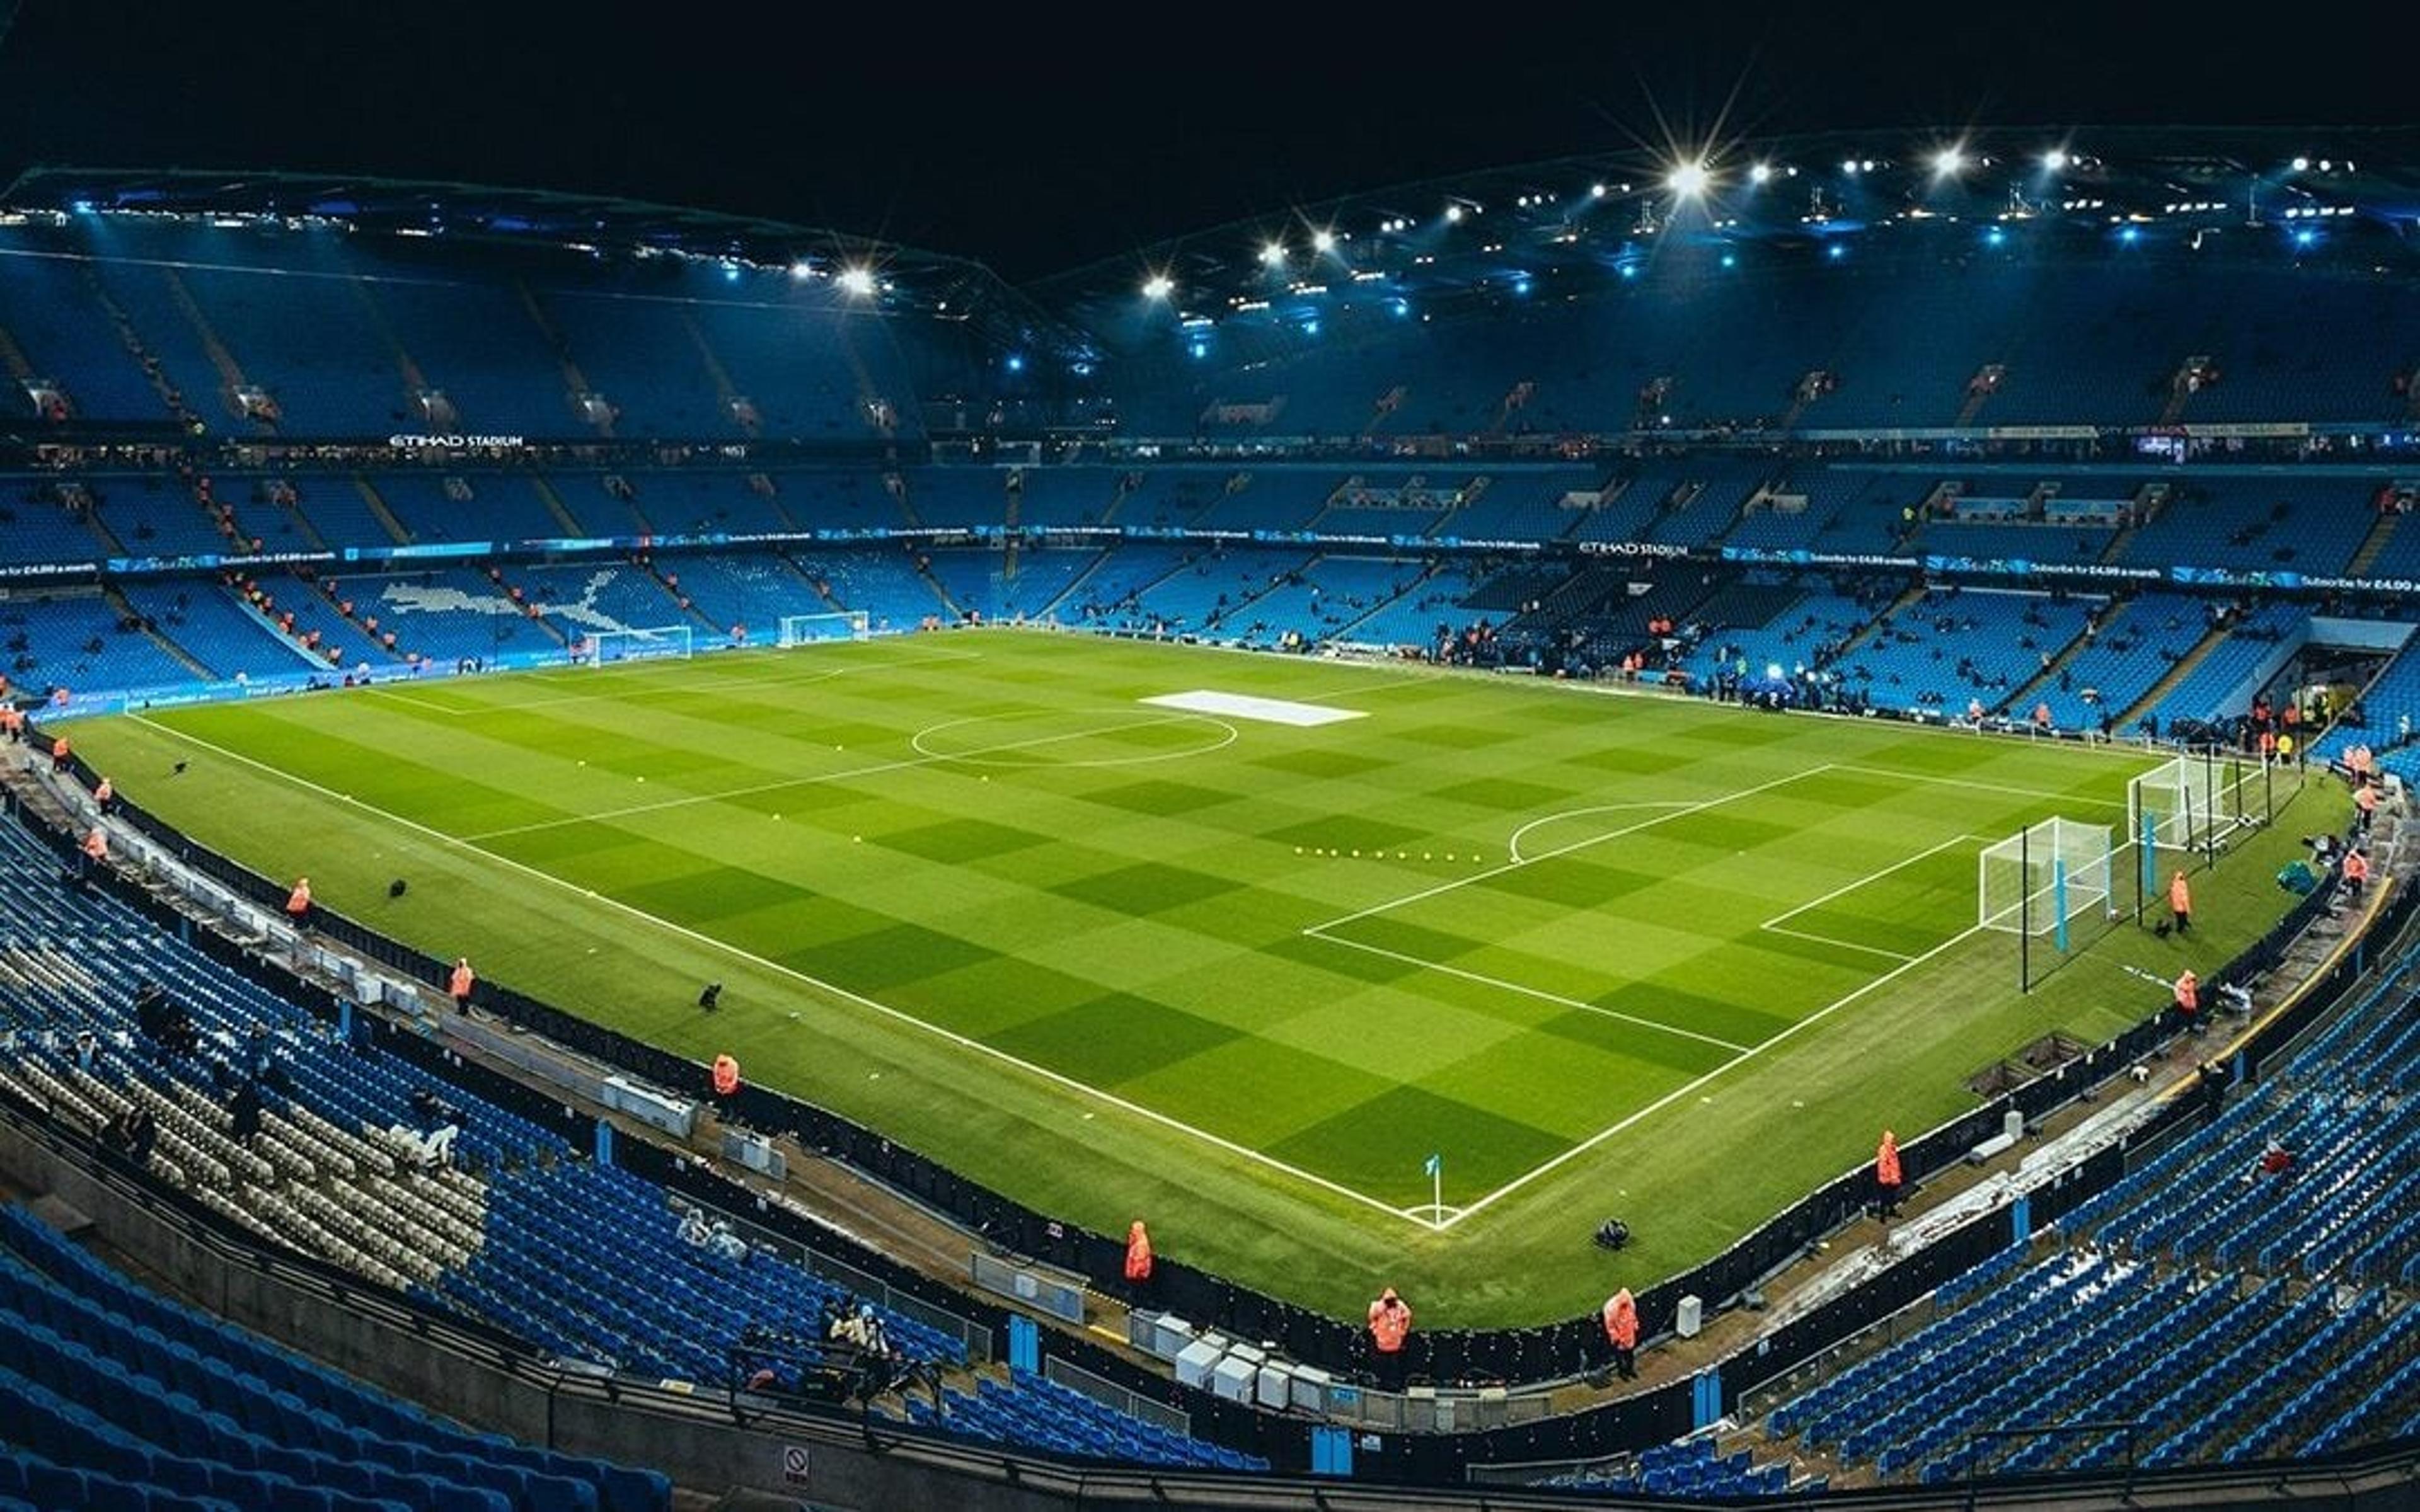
(1035, 144)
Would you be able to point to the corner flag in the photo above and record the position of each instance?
(1435, 1166)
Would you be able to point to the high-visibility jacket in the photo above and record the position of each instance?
(2180, 894)
(1887, 1160)
(1390, 1319)
(96, 844)
(726, 1075)
(1621, 1320)
(459, 985)
(297, 902)
(2188, 992)
(2356, 867)
(2366, 798)
(1138, 1253)
(59, 749)
(104, 791)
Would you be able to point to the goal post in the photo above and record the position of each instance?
(812, 629)
(2047, 882)
(612, 648)
(2197, 802)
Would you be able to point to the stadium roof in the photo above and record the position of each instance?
(1456, 236)
(910, 279)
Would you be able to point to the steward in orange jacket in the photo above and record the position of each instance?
(726, 1077)
(1886, 1174)
(1138, 1253)
(1621, 1332)
(297, 902)
(1390, 1321)
(459, 986)
(2181, 902)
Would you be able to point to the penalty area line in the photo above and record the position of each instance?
(1539, 993)
(1045, 1073)
(1558, 1162)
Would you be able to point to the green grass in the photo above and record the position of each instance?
(1118, 961)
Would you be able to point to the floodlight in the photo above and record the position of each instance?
(1949, 162)
(2056, 160)
(858, 281)
(1322, 240)
(802, 269)
(1453, 212)
(1687, 179)
(2302, 164)
(1159, 287)
(1596, 190)
(1850, 167)
(1272, 254)
(1760, 172)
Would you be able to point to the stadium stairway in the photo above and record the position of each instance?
(127, 613)
(2022, 698)
(231, 375)
(2194, 656)
(2366, 555)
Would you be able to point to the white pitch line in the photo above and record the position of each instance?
(722, 685)
(1538, 992)
(963, 1042)
(1871, 876)
(1826, 939)
(1685, 810)
(1574, 814)
(1981, 787)
(902, 765)
(1556, 1162)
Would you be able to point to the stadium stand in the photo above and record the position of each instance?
(2228, 1306)
(584, 1259)
(121, 1397)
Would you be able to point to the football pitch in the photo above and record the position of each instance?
(1232, 943)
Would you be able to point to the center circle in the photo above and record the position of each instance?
(1072, 737)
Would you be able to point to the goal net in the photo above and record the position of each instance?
(2195, 802)
(807, 629)
(2039, 881)
(612, 648)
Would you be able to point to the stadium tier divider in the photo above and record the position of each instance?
(1514, 1355)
